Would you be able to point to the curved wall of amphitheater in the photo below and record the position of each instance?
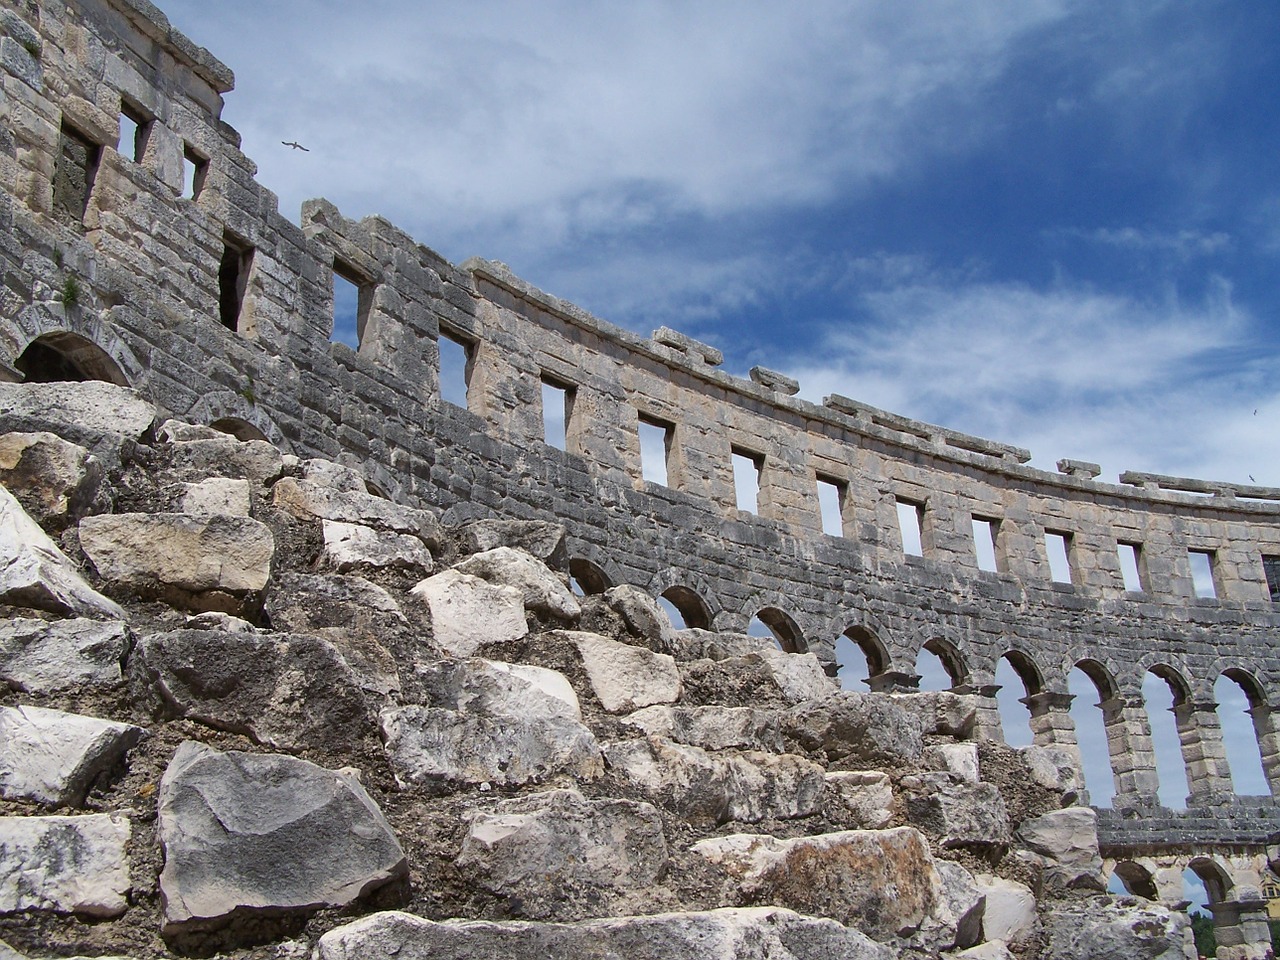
(113, 253)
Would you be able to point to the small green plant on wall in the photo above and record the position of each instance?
(70, 292)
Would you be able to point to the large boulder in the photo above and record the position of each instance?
(354, 546)
(563, 856)
(712, 728)
(487, 723)
(957, 811)
(641, 615)
(850, 727)
(718, 787)
(538, 538)
(468, 613)
(1010, 913)
(625, 677)
(42, 656)
(1066, 841)
(55, 481)
(207, 563)
(35, 573)
(264, 835)
(216, 496)
(1055, 767)
(943, 712)
(196, 453)
(284, 691)
(883, 882)
(65, 864)
(1101, 927)
(762, 933)
(541, 589)
(762, 677)
(316, 497)
(53, 757)
(861, 798)
(83, 412)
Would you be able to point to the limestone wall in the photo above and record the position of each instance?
(116, 253)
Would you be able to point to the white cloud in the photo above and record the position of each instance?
(1181, 244)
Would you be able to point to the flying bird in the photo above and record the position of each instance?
(1251, 478)
(295, 145)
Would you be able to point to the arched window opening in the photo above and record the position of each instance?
(940, 666)
(1135, 880)
(1162, 690)
(1237, 694)
(673, 613)
(586, 579)
(62, 357)
(1018, 679)
(692, 610)
(240, 429)
(772, 623)
(859, 656)
(1092, 690)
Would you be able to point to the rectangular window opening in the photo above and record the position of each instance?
(1202, 573)
(1131, 566)
(194, 169)
(74, 173)
(456, 356)
(1271, 570)
(233, 277)
(831, 498)
(135, 128)
(747, 469)
(1058, 548)
(985, 531)
(557, 412)
(910, 524)
(656, 439)
(352, 301)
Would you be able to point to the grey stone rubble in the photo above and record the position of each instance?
(308, 484)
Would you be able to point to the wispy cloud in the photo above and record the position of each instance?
(1180, 244)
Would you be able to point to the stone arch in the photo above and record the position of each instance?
(66, 356)
(1239, 759)
(1022, 711)
(1137, 879)
(784, 629)
(238, 410)
(1170, 729)
(695, 611)
(865, 639)
(953, 661)
(1027, 669)
(238, 428)
(1216, 878)
(590, 577)
(1127, 735)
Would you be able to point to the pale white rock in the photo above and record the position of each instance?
(335, 476)
(314, 500)
(1010, 913)
(467, 612)
(538, 538)
(551, 682)
(1105, 927)
(176, 431)
(957, 811)
(641, 615)
(798, 675)
(222, 455)
(65, 864)
(90, 407)
(964, 899)
(958, 758)
(711, 727)
(562, 855)
(991, 950)
(625, 677)
(1055, 767)
(53, 757)
(758, 933)
(54, 480)
(866, 794)
(35, 573)
(348, 546)
(856, 727)
(216, 495)
(943, 712)
(882, 882)
(1068, 841)
(264, 833)
(195, 554)
(40, 656)
(721, 786)
(541, 589)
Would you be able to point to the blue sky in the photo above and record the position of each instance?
(1048, 222)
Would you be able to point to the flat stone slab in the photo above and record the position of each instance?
(353, 546)
(729, 785)
(35, 573)
(42, 656)
(761, 933)
(957, 811)
(1086, 930)
(53, 757)
(859, 727)
(625, 677)
(711, 727)
(265, 834)
(93, 407)
(541, 589)
(319, 499)
(65, 864)
(562, 855)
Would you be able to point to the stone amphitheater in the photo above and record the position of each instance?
(302, 659)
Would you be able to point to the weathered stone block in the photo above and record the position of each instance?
(468, 613)
(53, 757)
(65, 864)
(624, 677)
(55, 481)
(541, 589)
(41, 656)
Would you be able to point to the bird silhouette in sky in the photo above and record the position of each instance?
(295, 145)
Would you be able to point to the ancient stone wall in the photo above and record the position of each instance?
(163, 264)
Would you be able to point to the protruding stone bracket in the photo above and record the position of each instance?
(1079, 468)
(894, 681)
(695, 349)
(775, 381)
